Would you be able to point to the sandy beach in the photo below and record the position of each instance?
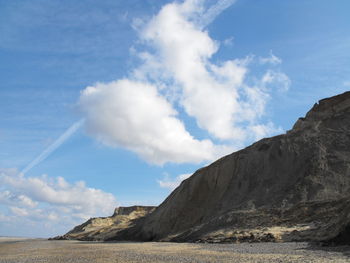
(14, 250)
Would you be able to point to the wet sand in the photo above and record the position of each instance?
(13, 250)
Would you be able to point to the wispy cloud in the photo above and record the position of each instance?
(277, 79)
(215, 10)
(41, 157)
(272, 59)
(228, 41)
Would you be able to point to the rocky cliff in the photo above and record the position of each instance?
(290, 187)
(102, 228)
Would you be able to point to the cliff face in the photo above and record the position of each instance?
(102, 228)
(290, 187)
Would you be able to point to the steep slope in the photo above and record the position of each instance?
(289, 187)
(102, 228)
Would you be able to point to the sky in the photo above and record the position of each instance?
(113, 103)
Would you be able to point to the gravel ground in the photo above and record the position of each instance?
(39, 250)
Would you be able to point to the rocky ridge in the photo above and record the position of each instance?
(291, 187)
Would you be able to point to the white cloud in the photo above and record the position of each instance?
(272, 59)
(171, 184)
(277, 80)
(209, 92)
(45, 198)
(133, 115)
(177, 71)
(6, 197)
(213, 93)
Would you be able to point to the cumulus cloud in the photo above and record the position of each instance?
(170, 183)
(177, 71)
(133, 115)
(209, 92)
(51, 199)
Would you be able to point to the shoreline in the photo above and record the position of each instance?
(43, 250)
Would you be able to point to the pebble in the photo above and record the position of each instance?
(44, 251)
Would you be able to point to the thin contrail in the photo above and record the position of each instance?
(213, 11)
(72, 129)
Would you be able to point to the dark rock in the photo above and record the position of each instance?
(296, 184)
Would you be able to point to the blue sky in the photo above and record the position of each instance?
(155, 89)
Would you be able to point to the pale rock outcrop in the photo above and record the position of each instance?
(102, 228)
